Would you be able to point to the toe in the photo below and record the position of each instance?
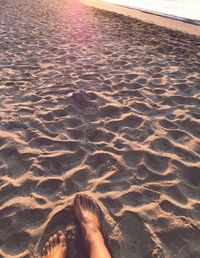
(50, 243)
(55, 239)
(62, 239)
(82, 200)
(91, 204)
(77, 200)
(59, 234)
(47, 248)
(87, 202)
(44, 253)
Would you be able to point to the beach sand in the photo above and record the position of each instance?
(96, 102)
(189, 27)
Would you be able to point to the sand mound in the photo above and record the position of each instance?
(92, 101)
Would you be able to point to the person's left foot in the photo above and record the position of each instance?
(56, 247)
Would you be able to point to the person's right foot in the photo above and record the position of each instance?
(87, 213)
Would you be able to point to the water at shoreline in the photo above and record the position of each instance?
(186, 10)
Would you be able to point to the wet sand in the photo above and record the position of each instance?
(96, 102)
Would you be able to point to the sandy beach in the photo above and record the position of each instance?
(146, 16)
(96, 102)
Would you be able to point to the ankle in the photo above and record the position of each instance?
(92, 234)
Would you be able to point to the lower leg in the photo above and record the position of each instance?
(96, 246)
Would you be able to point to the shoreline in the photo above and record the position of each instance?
(143, 15)
(163, 15)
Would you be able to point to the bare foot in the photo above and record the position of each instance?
(56, 246)
(87, 213)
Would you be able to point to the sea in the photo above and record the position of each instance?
(184, 10)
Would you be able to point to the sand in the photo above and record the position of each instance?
(163, 21)
(96, 102)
